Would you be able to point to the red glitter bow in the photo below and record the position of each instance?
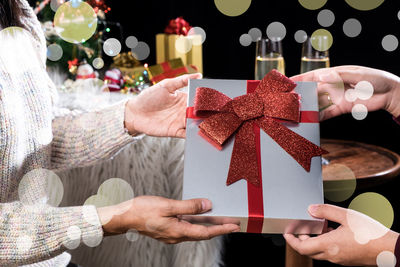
(178, 26)
(272, 102)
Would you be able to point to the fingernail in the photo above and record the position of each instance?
(206, 204)
(313, 209)
(236, 230)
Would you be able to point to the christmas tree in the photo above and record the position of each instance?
(66, 56)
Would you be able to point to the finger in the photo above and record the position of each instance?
(179, 82)
(303, 237)
(188, 207)
(181, 133)
(201, 232)
(329, 212)
(309, 246)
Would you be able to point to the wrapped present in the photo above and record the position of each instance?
(127, 64)
(170, 69)
(189, 49)
(252, 148)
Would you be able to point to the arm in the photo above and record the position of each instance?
(30, 234)
(83, 139)
(356, 242)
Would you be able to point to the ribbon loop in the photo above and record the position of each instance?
(272, 100)
(248, 107)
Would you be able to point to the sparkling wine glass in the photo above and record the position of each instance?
(269, 56)
(313, 59)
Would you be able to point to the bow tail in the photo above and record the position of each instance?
(297, 146)
(244, 163)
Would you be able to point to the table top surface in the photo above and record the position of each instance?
(365, 161)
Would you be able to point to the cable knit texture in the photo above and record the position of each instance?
(31, 137)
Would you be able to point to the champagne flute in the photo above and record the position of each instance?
(313, 59)
(269, 56)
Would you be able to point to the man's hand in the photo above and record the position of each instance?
(160, 110)
(334, 82)
(356, 242)
(160, 218)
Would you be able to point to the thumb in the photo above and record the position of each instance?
(179, 82)
(189, 207)
(329, 212)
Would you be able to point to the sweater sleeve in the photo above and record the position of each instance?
(30, 234)
(85, 138)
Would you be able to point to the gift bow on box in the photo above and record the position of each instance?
(271, 103)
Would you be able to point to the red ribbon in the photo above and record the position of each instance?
(178, 26)
(266, 104)
(169, 72)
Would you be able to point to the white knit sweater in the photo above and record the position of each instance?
(31, 137)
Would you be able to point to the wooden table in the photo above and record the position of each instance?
(371, 165)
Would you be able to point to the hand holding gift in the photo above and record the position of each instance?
(335, 82)
(159, 110)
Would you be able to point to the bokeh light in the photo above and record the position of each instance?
(364, 90)
(24, 243)
(98, 63)
(183, 44)
(92, 240)
(55, 4)
(141, 51)
(364, 5)
(54, 52)
(352, 28)
(363, 227)
(321, 40)
(390, 43)
(339, 182)
(326, 18)
(131, 42)
(375, 206)
(245, 39)
(132, 235)
(74, 237)
(359, 112)
(116, 190)
(350, 95)
(112, 47)
(198, 31)
(44, 136)
(300, 36)
(386, 259)
(312, 4)
(232, 8)
(276, 31)
(41, 186)
(255, 34)
(75, 22)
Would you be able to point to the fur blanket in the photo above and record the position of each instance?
(153, 166)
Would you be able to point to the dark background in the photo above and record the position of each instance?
(224, 57)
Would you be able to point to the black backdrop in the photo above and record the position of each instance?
(224, 57)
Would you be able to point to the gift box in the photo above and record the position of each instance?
(169, 69)
(256, 157)
(190, 50)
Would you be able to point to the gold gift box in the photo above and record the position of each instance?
(166, 49)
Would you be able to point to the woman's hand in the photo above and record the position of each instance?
(159, 218)
(333, 82)
(160, 110)
(356, 242)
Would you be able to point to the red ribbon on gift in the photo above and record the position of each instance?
(169, 72)
(266, 105)
(178, 26)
